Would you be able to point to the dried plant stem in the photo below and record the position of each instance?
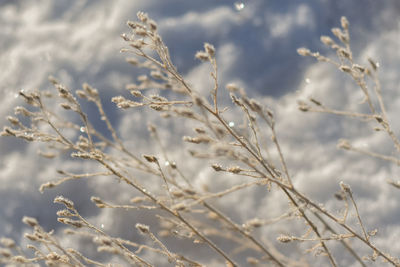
(342, 113)
(244, 233)
(313, 226)
(343, 242)
(54, 242)
(164, 207)
(330, 216)
(121, 145)
(214, 75)
(222, 216)
(44, 112)
(87, 260)
(375, 155)
(165, 180)
(223, 193)
(273, 173)
(116, 241)
(281, 158)
(70, 176)
(348, 228)
(366, 236)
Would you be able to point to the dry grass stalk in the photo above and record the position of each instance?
(183, 209)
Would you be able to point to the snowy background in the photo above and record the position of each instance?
(78, 41)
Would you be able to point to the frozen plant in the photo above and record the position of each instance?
(185, 210)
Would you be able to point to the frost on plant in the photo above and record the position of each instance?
(183, 209)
